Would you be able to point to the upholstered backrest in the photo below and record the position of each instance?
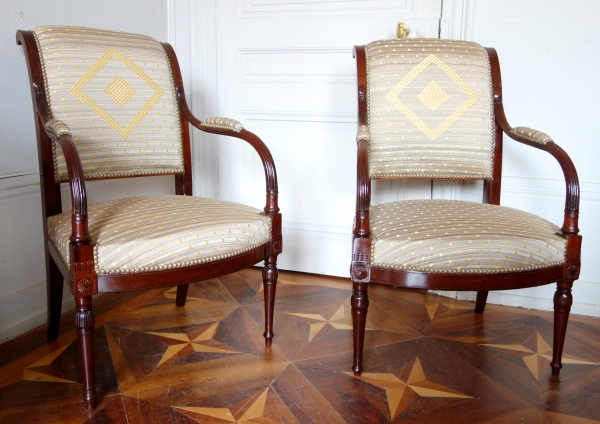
(430, 109)
(116, 93)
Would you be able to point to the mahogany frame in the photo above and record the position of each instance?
(362, 273)
(82, 279)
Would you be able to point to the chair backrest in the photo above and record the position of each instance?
(116, 92)
(430, 109)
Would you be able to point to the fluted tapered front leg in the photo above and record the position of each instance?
(360, 304)
(562, 306)
(84, 325)
(270, 274)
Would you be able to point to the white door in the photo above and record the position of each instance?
(284, 68)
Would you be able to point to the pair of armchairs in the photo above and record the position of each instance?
(111, 105)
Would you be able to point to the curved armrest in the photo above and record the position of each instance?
(363, 183)
(544, 142)
(232, 128)
(59, 132)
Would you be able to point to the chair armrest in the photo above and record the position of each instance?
(232, 128)
(363, 183)
(59, 132)
(544, 142)
(229, 127)
(531, 135)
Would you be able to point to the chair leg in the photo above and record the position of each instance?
(54, 294)
(480, 302)
(360, 304)
(84, 326)
(181, 295)
(270, 274)
(562, 306)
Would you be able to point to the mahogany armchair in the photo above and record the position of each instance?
(432, 109)
(111, 104)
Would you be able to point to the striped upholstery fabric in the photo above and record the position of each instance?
(449, 236)
(115, 92)
(140, 234)
(430, 109)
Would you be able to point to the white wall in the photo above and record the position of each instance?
(22, 272)
(548, 65)
(549, 60)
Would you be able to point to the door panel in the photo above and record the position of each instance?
(285, 70)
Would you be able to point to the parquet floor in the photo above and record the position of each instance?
(427, 359)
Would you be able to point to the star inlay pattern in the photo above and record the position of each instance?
(254, 411)
(183, 344)
(395, 389)
(427, 359)
(317, 322)
(537, 354)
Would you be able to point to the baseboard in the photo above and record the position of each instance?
(539, 298)
(33, 320)
(316, 249)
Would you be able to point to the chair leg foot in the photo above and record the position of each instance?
(360, 304)
(480, 302)
(54, 283)
(181, 295)
(562, 306)
(84, 326)
(270, 274)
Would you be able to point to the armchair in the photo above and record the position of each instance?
(432, 109)
(110, 104)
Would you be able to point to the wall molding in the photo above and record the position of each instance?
(299, 116)
(309, 64)
(257, 9)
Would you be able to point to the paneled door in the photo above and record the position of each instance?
(284, 68)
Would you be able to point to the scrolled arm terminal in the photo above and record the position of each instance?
(531, 135)
(223, 123)
(363, 133)
(56, 128)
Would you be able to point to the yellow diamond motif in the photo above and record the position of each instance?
(77, 91)
(120, 91)
(433, 96)
(432, 93)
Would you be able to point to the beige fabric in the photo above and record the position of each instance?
(223, 123)
(430, 109)
(57, 128)
(160, 232)
(363, 133)
(115, 92)
(532, 135)
(451, 236)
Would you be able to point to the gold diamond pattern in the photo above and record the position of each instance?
(77, 91)
(120, 91)
(429, 132)
(433, 96)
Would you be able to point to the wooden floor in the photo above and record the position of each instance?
(427, 359)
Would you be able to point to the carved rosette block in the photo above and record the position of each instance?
(85, 286)
(83, 274)
(572, 258)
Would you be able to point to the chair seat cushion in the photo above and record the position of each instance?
(450, 236)
(140, 234)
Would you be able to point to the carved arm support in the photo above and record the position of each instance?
(232, 128)
(363, 183)
(542, 141)
(59, 132)
(235, 129)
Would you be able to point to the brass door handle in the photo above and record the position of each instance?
(401, 30)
